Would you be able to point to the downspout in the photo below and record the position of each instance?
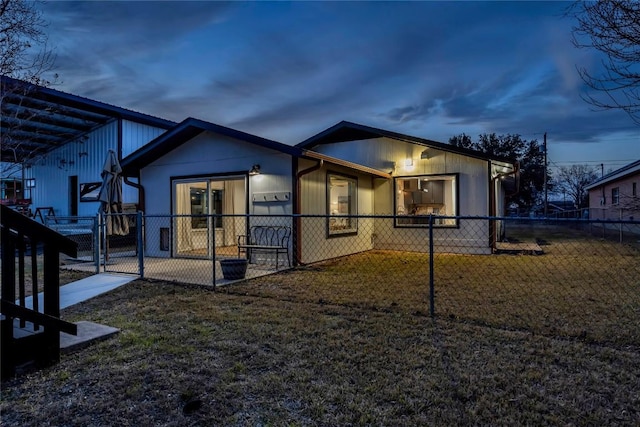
(298, 208)
(493, 206)
(141, 194)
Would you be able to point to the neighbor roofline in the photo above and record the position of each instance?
(615, 175)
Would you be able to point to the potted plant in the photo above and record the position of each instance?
(233, 268)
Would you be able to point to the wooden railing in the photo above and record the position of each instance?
(23, 237)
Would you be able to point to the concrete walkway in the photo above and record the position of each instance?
(84, 289)
(74, 293)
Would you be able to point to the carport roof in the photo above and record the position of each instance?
(37, 120)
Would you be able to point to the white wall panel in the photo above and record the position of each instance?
(391, 155)
(316, 245)
(135, 135)
(85, 159)
(210, 154)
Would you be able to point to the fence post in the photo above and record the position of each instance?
(140, 244)
(213, 250)
(431, 285)
(96, 242)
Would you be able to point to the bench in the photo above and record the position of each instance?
(265, 239)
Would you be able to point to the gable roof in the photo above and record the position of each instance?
(629, 169)
(349, 131)
(39, 119)
(187, 130)
(191, 127)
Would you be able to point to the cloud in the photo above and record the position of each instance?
(287, 70)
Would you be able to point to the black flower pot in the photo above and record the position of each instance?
(233, 268)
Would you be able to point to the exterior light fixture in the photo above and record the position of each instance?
(408, 162)
(255, 170)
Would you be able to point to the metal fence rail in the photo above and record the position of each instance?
(570, 278)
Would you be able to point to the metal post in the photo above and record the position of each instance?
(140, 243)
(431, 284)
(545, 176)
(96, 242)
(213, 251)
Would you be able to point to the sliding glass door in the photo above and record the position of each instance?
(196, 232)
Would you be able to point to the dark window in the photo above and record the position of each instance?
(615, 196)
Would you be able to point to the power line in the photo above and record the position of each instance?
(623, 161)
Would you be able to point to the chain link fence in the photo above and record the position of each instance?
(566, 278)
(81, 229)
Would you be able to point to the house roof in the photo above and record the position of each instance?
(349, 131)
(37, 120)
(631, 168)
(185, 131)
(191, 127)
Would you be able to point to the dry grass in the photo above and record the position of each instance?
(239, 360)
(580, 287)
(66, 276)
(349, 342)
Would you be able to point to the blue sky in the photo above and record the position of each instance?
(288, 70)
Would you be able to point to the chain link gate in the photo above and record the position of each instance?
(121, 253)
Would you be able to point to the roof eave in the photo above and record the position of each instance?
(369, 132)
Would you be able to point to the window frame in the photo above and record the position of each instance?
(436, 224)
(352, 204)
(615, 196)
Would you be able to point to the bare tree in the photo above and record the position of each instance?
(26, 60)
(628, 203)
(611, 27)
(24, 53)
(573, 180)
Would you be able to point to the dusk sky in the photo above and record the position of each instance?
(287, 71)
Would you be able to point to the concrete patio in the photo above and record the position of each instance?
(183, 270)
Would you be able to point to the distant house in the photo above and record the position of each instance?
(615, 196)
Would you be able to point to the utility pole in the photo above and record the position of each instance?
(545, 175)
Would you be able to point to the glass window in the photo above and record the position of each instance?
(198, 207)
(418, 197)
(341, 201)
(615, 195)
